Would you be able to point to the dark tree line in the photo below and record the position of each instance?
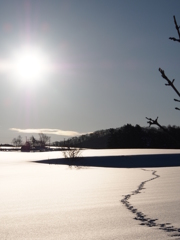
(128, 136)
(97, 139)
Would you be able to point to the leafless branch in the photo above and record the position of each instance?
(170, 83)
(177, 28)
(154, 122)
(176, 100)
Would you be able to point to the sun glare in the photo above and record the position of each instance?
(29, 64)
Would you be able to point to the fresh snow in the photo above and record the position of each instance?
(48, 201)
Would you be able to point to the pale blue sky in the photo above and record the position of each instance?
(106, 54)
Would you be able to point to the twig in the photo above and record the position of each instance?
(177, 28)
(154, 122)
(176, 100)
(170, 83)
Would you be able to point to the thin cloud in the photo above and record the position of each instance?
(48, 131)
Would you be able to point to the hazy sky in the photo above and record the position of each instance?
(104, 57)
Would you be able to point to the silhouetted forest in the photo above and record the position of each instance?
(127, 136)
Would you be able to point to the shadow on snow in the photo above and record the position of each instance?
(133, 161)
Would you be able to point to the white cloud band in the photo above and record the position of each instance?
(48, 131)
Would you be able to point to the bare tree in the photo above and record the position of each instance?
(169, 82)
(33, 141)
(72, 153)
(44, 139)
(14, 142)
(17, 141)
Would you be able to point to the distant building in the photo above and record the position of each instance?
(26, 147)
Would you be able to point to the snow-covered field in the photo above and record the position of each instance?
(55, 201)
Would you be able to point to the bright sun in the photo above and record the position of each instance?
(29, 64)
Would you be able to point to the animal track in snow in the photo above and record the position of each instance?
(144, 219)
